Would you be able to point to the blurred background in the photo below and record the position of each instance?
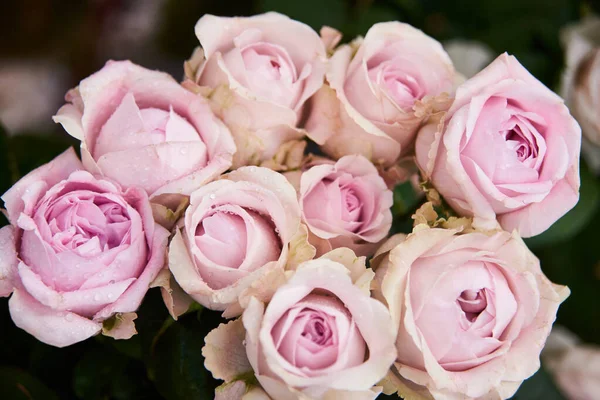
(48, 46)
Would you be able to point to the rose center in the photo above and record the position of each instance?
(350, 200)
(222, 238)
(87, 223)
(516, 141)
(472, 303)
(318, 331)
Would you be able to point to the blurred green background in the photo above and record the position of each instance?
(48, 46)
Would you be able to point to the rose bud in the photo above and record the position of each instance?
(259, 72)
(236, 230)
(346, 204)
(321, 336)
(78, 250)
(507, 149)
(141, 128)
(472, 311)
(379, 90)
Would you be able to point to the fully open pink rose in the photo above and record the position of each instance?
(141, 128)
(380, 89)
(346, 203)
(507, 148)
(472, 311)
(321, 336)
(79, 250)
(235, 231)
(262, 69)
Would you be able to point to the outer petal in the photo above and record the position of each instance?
(224, 352)
(537, 217)
(129, 301)
(56, 328)
(49, 174)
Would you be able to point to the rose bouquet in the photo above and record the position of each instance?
(262, 187)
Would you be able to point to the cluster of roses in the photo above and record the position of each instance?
(457, 309)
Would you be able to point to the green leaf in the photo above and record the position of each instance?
(96, 371)
(539, 387)
(315, 13)
(367, 17)
(575, 220)
(16, 384)
(405, 199)
(176, 363)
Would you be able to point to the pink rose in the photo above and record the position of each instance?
(141, 128)
(321, 336)
(346, 203)
(78, 251)
(472, 311)
(261, 70)
(380, 89)
(507, 148)
(235, 231)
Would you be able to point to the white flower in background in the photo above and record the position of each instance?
(580, 85)
(575, 366)
(468, 56)
(30, 93)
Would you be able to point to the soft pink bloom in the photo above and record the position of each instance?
(472, 311)
(262, 69)
(507, 148)
(321, 336)
(379, 90)
(141, 128)
(79, 250)
(346, 203)
(235, 231)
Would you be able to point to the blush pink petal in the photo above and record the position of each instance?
(133, 296)
(538, 217)
(84, 302)
(57, 328)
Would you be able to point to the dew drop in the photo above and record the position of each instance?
(244, 342)
(212, 196)
(110, 296)
(96, 297)
(111, 282)
(183, 151)
(69, 317)
(252, 169)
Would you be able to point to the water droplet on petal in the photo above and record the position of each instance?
(111, 282)
(212, 196)
(252, 169)
(96, 297)
(69, 317)
(183, 151)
